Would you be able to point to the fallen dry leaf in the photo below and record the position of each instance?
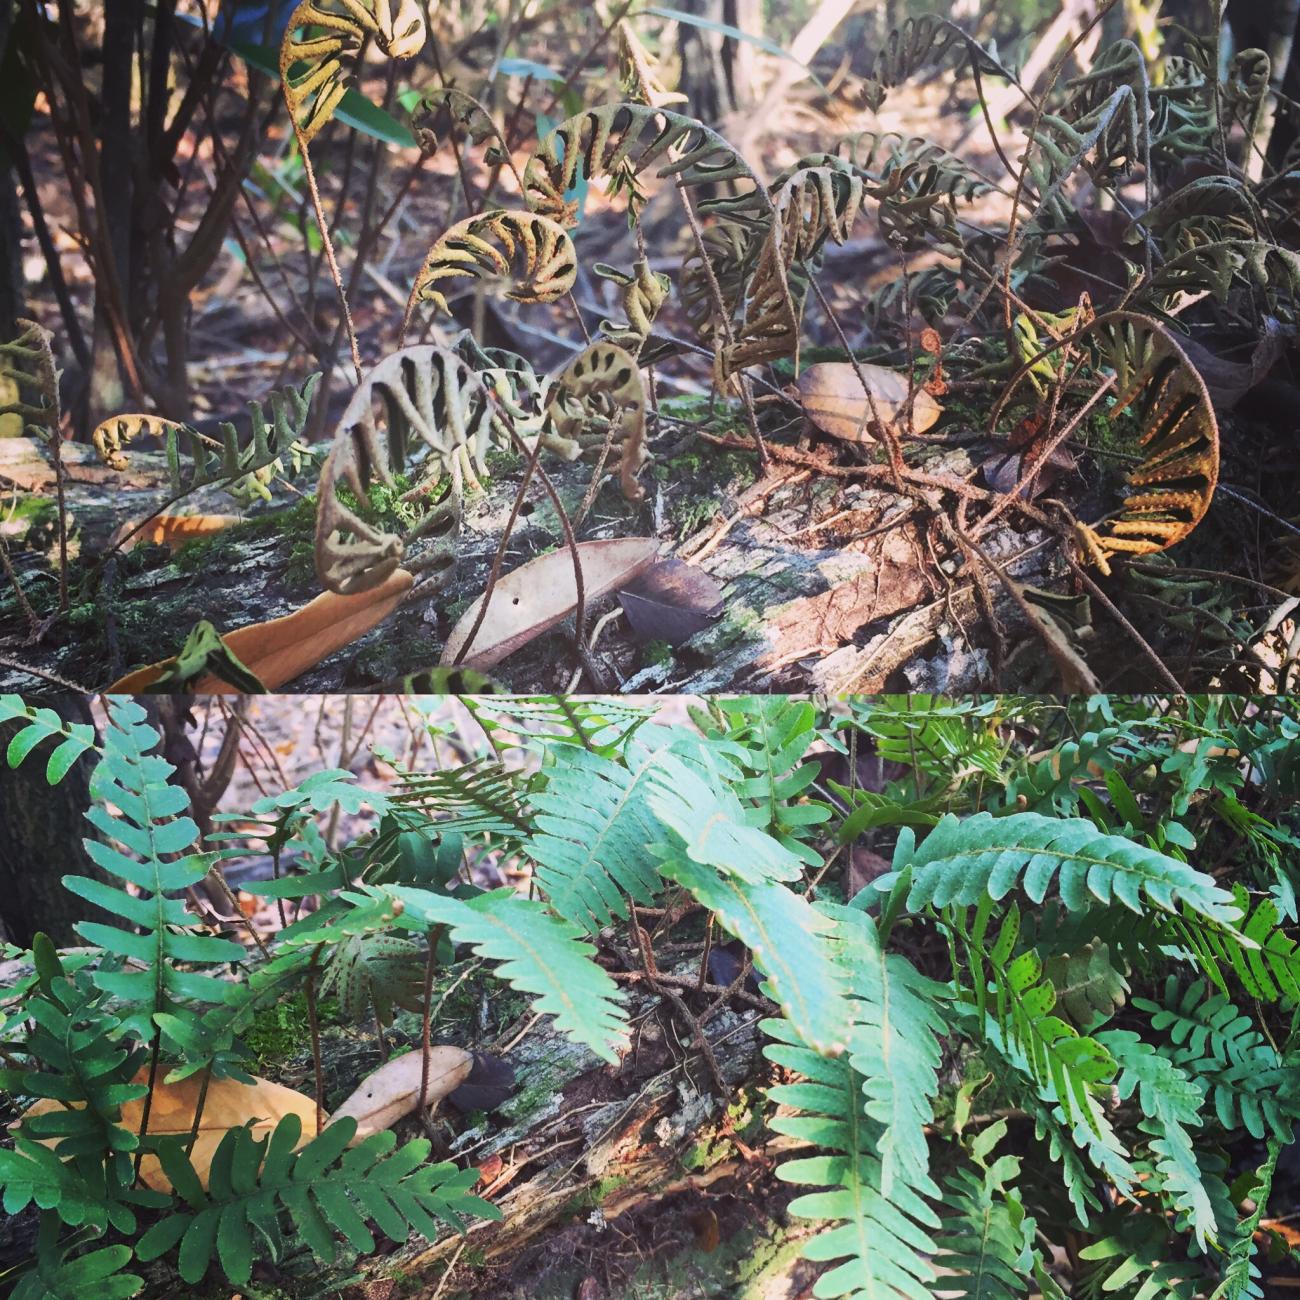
(538, 595)
(671, 601)
(279, 650)
(490, 1081)
(833, 400)
(393, 1090)
(169, 530)
(228, 1104)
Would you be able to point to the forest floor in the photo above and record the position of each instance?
(818, 573)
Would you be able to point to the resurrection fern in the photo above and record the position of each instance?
(245, 469)
(1171, 1104)
(38, 726)
(769, 737)
(963, 861)
(71, 1151)
(894, 1045)
(58, 1277)
(321, 41)
(878, 1245)
(1249, 1084)
(627, 139)
(325, 1188)
(423, 411)
(1010, 993)
(1032, 1057)
(530, 255)
(540, 954)
(602, 381)
(154, 826)
(478, 797)
(1088, 985)
(594, 829)
(988, 1242)
(792, 943)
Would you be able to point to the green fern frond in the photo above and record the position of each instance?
(894, 1045)
(533, 722)
(79, 1061)
(794, 945)
(929, 734)
(37, 726)
(73, 1159)
(1087, 984)
(326, 1189)
(479, 797)
(769, 736)
(1010, 992)
(594, 826)
(1171, 1104)
(58, 1275)
(963, 861)
(1251, 1085)
(1241, 1276)
(152, 824)
(1134, 1263)
(712, 824)
(540, 953)
(1263, 956)
(987, 1242)
(880, 1245)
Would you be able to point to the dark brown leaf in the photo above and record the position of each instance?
(491, 1081)
(671, 601)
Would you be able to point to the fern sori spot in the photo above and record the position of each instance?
(792, 943)
(538, 952)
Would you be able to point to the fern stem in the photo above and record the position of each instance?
(426, 1021)
(198, 1110)
(155, 1050)
(313, 1021)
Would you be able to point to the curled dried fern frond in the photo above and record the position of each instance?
(29, 380)
(625, 140)
(530, 252)
(731, 250)
(321, 41)
(1160, 393)
(244, 471)
(813, 205)
(420, 399)
(636, 74)
(919, 43)
(602, 386)
(462, 117)
(644, 292)
(1222, 265)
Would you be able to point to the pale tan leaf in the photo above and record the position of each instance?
(833, 399)
(228, 1104)
(541, 593)
(393, 1091)
(279, 650)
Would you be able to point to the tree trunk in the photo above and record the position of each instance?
(41, 828)
(13, 294)
(718, 72)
